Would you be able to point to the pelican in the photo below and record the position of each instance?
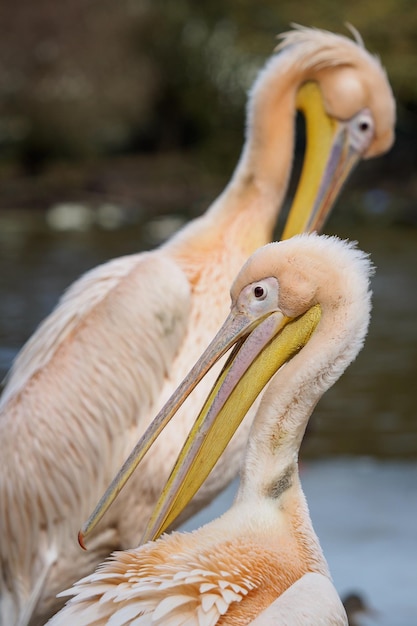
(305, 303)
(87, 383)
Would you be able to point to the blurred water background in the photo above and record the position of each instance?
(121, 121)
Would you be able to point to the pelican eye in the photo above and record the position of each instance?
(364, 122)
(361, 130)
(259, 292)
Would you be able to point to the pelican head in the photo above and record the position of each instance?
(277, 305)
(343, 92)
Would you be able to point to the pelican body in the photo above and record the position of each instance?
(87, 383)
(261, 561)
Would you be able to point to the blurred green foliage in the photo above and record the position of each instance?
(90, 77)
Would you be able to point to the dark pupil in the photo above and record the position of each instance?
(363, 126)
(259, 292)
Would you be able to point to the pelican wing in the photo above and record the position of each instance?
(152, 281)
(146, 588)
(178, 582)
(82, 386)
(311, 600)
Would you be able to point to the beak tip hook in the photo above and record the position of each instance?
(81, 540)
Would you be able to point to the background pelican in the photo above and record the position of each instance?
(122, 337)
(309, 295)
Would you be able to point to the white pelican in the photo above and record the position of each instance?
(87, 383)
(304, 302)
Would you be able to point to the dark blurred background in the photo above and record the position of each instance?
(121, 120)
(86, 86)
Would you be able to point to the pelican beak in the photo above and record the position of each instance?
(249, 335)
(249, 368)
(333, 148)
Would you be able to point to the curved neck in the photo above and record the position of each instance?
(261, 176)
(250, 203)
(273, 446)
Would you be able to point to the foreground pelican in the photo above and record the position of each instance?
(87, 383)
(304, 302)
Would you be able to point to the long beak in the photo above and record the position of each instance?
(242, 379)
(237, 325)
(329, 159)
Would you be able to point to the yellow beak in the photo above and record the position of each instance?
(330, 157)
(227, 404)
(216, 422)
